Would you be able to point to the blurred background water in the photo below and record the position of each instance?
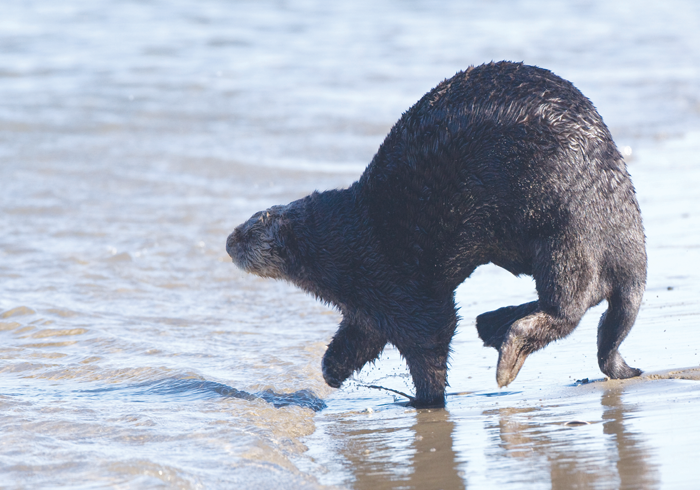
(134, 135)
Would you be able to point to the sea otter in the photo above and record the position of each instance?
(503, 163)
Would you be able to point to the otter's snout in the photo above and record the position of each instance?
(232, 243)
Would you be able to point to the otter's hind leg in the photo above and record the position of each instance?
(493, 326)
(528, 335)
(353, 346)
(565, 286)
(614, 326)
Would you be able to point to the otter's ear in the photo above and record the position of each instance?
(284, 233)
(286, 241)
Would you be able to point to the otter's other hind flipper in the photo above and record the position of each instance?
(493, 326)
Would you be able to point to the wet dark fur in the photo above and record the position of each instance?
(503, 163)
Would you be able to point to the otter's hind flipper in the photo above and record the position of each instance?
(493, 326)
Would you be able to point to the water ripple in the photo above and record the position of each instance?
(196, 389)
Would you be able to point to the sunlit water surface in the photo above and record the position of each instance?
(135, 135)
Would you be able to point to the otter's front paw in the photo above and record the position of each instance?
(334, 372)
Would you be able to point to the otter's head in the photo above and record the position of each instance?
(258, 245)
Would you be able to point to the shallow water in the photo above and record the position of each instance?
(134, 137)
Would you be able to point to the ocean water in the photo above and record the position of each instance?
(135, 135)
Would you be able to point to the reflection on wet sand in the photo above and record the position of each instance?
(420, 457)
(434, 461)
(635, 468)
(574, 455)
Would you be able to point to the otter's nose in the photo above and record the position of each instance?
(231, 242)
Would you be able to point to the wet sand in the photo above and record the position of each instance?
(637, 433)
